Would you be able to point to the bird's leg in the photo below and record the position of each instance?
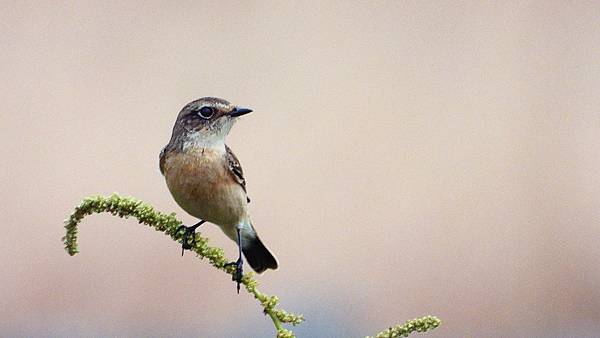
(189, 232)
(239, 271)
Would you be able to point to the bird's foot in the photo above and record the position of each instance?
(189, 236)
(239, 271)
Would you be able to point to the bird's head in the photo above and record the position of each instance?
(208, 118)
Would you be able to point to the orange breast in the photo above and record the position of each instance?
(201, 184)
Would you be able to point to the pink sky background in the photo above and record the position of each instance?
(403, 159)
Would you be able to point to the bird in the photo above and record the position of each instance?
(206, 179)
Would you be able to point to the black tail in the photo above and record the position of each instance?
(258, 256)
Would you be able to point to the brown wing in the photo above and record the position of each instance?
(235, 169)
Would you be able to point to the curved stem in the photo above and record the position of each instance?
(170, 225)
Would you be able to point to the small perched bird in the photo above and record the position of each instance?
(206, 179)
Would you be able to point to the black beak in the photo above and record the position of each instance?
(239, 111)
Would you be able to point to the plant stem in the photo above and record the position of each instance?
(170, 225)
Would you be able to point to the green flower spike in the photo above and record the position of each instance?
(131, 207)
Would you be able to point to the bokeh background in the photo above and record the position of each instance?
(404, 159)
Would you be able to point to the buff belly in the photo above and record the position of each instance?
(202, 186)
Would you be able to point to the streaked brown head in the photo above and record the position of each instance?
(205, 121)
(209, 114)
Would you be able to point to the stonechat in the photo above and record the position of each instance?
(207, 181)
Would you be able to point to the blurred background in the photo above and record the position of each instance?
(403, 159)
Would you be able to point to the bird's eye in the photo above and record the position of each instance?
(206, 112)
